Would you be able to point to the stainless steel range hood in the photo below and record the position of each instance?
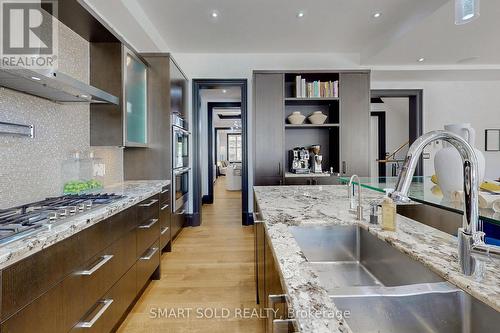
(54, 86)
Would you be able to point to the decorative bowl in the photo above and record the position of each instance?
(317, 118)
(296, 118)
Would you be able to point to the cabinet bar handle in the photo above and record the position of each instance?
(147, 226)
(151, 203)
(165, 191)
(152, 252)
(272, 301)
(164, 207)
(102, 262)
(164, 230)
(283, 325)
(106, 303)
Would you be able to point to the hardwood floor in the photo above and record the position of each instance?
(210, 268)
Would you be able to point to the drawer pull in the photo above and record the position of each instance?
(283, 325)
(165, 191)
(256, 219)
(88, 324)
(150, 255)
(151, 203)
(273, 300)
(164, 207)
(102, 262)
(152, 222)
(164, 230)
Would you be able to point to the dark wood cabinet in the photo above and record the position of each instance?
(147, 263)
(106, 313)
(355, 132)
(165, 219)
(270, 292)
(268, 129)
(89, 279)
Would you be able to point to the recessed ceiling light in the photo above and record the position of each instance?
(377, 15)
(224, 91)
(421, 59)
(214, 14)
(300, 14)
(84, 96)
(35, 78)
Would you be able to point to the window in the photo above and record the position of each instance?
(234, 147)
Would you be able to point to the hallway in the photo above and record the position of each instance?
(211, 267)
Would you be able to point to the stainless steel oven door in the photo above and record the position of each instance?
(180, 187)
(180, 147)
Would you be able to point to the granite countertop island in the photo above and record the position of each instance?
(133, 192)
(284, 206)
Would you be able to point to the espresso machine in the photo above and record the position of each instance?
(299, 160)
(317, 159)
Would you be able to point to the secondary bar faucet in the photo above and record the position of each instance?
(469, 235)
(350, 188)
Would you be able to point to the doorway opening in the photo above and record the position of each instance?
(220, 143)
(225, 147)
(396, 122)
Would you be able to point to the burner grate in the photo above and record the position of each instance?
(23, 220)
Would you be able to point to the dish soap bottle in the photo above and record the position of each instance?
(388, 214)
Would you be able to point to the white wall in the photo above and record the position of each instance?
(445, 102)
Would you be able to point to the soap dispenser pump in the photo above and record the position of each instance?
(388, 213)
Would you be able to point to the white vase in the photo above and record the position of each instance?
(296, 118)
(448, 162)
(317, 118)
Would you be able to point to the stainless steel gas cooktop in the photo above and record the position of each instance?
(19, 222)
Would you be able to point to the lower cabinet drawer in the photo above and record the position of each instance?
(104, 315)
(60, 308)
(147, 233)
(147, 264)
(84, 287)
(165, 225)
(44, 315)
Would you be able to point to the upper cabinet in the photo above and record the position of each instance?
(135, 100)
(115, 68)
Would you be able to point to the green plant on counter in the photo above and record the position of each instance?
(77, 186)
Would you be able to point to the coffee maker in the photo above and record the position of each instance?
(299, 160)
(317, 159)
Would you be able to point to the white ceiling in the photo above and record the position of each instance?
(406, 30)
(264, 26)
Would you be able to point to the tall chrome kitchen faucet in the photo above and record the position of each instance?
(469, 236)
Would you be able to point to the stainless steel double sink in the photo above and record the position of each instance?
(384, 290)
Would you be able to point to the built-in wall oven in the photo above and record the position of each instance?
(180, 163)
(180, 147)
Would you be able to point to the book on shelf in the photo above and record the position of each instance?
(316, 89)
(298, 86)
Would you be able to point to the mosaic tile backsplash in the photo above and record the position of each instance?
(30, 169)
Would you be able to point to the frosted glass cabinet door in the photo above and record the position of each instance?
(136, 108)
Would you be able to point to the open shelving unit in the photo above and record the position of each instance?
(327, 135)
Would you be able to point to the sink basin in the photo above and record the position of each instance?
(435, 307)
(383, 289)
(347, 256)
